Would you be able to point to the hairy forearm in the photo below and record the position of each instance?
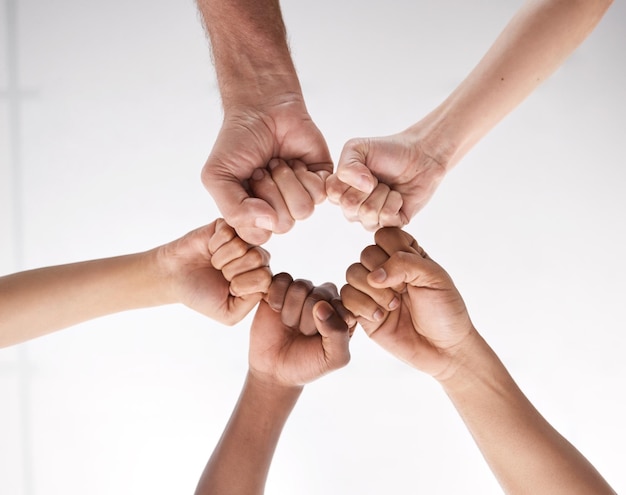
(526, 454)
(531, 47)
(36, 302)
(250, 51)
(241, 460)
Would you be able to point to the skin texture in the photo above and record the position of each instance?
(210, 270)
(282, 360)
(386, 181)
(431, 331)
(266, 129)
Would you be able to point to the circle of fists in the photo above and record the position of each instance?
(403, 300)
(269, 167)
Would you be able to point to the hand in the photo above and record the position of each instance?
(248, 141)
(299, 334)
(214, 272)
(407, 303)
(384, 182)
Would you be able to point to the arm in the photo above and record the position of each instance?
(525, 453)
(241, 460)
(250, 52)
(431, 330)
(36, 302)
(282, 360)
(265, 118)
(531, 47)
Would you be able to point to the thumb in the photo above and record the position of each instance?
(352, 168)
(253, 218)
(408, 268)
(335, 334)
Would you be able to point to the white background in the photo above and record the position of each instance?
(121, 114)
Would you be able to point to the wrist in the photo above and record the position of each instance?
(260, 88)
(450, 130)
(164, 269)
(271, 388)
(439, 137)
(473, 363)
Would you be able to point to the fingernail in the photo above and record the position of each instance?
(263, 223)
(395, 302)
(273, 163)
(378, 315)
(323, 312)
(257, 174)
(378, 275)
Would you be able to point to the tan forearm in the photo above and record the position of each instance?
(36, 302)
(241, 460)
(526, 454)
(250, 51)
(531, 47)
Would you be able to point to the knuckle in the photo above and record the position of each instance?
(285, 224)
(254, 282)
(349, 215)
(370, 253)
(265, 253)
(301, 287)
(265, 279)
(345, 295)
(354, 277)
(389, 210)
(282, 171)
(237, 247)
(368, 210)
(383, 235)
(316, 188)
(351, 199)
(228, 273)
(254, 235)
(353, 270)
(218, 263)
(257, 256)
(282, 278)
(329, 290)
(353, 143)
(223, 225)
(334, 187)
(350, 302)
(391, 220)
(279, 284)
(235, 287)
(303, 209)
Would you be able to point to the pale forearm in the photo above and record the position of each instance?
(250, 51)
(241, 460)
(532, 46)
(526, 454)
(36, 302)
